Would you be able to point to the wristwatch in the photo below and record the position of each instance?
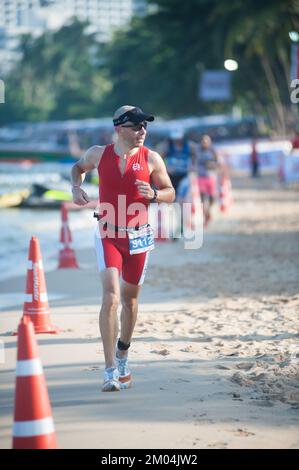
(153, 199)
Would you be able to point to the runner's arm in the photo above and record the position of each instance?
(160, 178)
(214, 165)
(88, 162)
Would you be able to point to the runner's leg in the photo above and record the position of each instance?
(212, 193)
(129, 301)
(133, 273)
(108, 313)
(205, 207)
(109, 259)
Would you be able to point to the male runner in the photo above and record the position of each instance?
(129, 169)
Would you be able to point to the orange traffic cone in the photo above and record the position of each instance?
(33, 426)
(194, 219)
(225, 194)
(196, 208)
(65, 232)
(36, 304)
(67, 256)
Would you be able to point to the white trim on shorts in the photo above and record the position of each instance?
(99, 250)
(141, 280)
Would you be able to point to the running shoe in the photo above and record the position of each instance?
(111, 380)
(125, 377)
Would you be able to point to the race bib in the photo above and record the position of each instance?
(141, 240)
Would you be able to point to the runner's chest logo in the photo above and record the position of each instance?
(137, 167)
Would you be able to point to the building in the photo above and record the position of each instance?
(22, 16)
(35, 16)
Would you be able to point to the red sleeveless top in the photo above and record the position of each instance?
(112, 185)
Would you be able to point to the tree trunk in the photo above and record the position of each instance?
(274, 90)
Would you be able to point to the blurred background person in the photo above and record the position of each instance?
(254, 160)
(206, 164)
(177, 152)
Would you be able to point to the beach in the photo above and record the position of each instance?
(215, 355)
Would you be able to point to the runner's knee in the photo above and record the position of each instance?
(110, 302)
(128, 303)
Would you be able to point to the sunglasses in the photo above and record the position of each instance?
(137, 127)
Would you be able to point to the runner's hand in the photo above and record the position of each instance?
(145, 190)
(79, 196)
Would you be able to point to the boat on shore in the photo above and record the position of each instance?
(41, 196)
(13, 198)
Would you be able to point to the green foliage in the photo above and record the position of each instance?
(157, 60)
(56, 78)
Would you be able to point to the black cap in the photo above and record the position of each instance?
(135, 115)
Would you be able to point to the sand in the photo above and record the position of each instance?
(215, 352)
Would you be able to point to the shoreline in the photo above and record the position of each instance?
(214, 355)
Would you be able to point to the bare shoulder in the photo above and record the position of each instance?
(91, 158)
(155, 160)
